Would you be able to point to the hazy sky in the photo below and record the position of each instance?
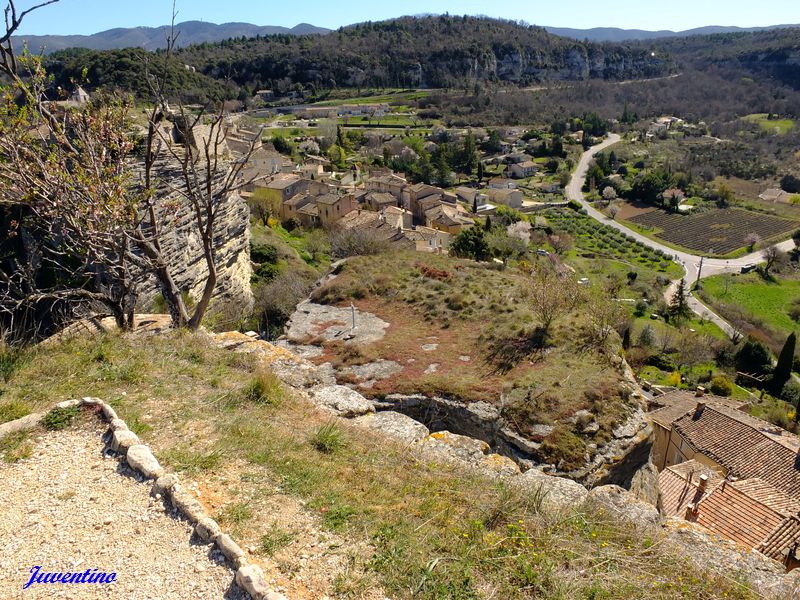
(91, 16)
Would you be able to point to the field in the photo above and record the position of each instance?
(775, 126)
(764, 300)
(606, 242)
(714, 231)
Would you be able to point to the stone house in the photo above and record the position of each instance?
(510, 198)
(389, 184)
(524, 169)
(502, 183)
(447, 218)
(377, 201)
(413, 195)
(398, 218)
(428, 239)
(729, 472)
(308, 216)
(333, 207)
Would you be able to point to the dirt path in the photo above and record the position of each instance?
(69, 508)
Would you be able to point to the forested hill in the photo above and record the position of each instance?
(408, 52)
(440, 51)
(773, 53)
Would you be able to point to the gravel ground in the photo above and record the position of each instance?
(70, 508)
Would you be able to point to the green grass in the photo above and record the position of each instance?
(767, 301)
(381, 97)
(13, 410)
(274, 540)
(15, 447)
(775, 126)
(328, 438)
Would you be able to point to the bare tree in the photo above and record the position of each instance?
(613, 210)
(99, 216)
(752, 240)
(552, 297)
(772, 257)
(561, 242)
(66, 194)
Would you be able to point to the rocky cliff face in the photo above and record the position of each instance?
(183, 248)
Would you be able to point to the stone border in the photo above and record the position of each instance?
(248, 577)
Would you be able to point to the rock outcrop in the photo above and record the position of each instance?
(182, 247)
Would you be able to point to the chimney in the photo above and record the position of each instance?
(703, 482)
(699, 410)
(701, 391)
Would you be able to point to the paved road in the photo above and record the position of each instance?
(689, 262)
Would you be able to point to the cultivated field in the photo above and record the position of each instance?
(717, 231)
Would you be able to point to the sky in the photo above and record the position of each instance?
(90, 16)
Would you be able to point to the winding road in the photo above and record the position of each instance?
(689, 262)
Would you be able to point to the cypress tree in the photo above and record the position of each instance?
(783, 370)
(488, 224)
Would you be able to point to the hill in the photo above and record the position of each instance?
(435, 52)
(615, 34)
(151, 38)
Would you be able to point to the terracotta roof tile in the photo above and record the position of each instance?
(680, 402)
(769, 495)
(785, 538)
(737, 516)
(741, 444)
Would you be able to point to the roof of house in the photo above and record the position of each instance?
(785, 538)
(735, 515)
(298, 200)
(329, 199)
(678, 403)
(678, 492)
(423, 190)
(395, 210)
(746, 446)
(309, 209)
(502, 193)
(467, 193)
(392, 179)
(772, 195)
(441, 215)
(769, 495)
(381, 198)
(528, 164)
(282, 181)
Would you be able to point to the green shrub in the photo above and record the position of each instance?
(564, 448)
(60, 418)
(721, 386)
(328, 438)
(264, 388)
(661, 362)
(264, 253)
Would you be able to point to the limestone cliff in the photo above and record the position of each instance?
(183, 248)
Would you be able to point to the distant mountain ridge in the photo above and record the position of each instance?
(615, 34)
(151, 38)
(197, 32)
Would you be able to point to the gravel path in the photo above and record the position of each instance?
(69, 508)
